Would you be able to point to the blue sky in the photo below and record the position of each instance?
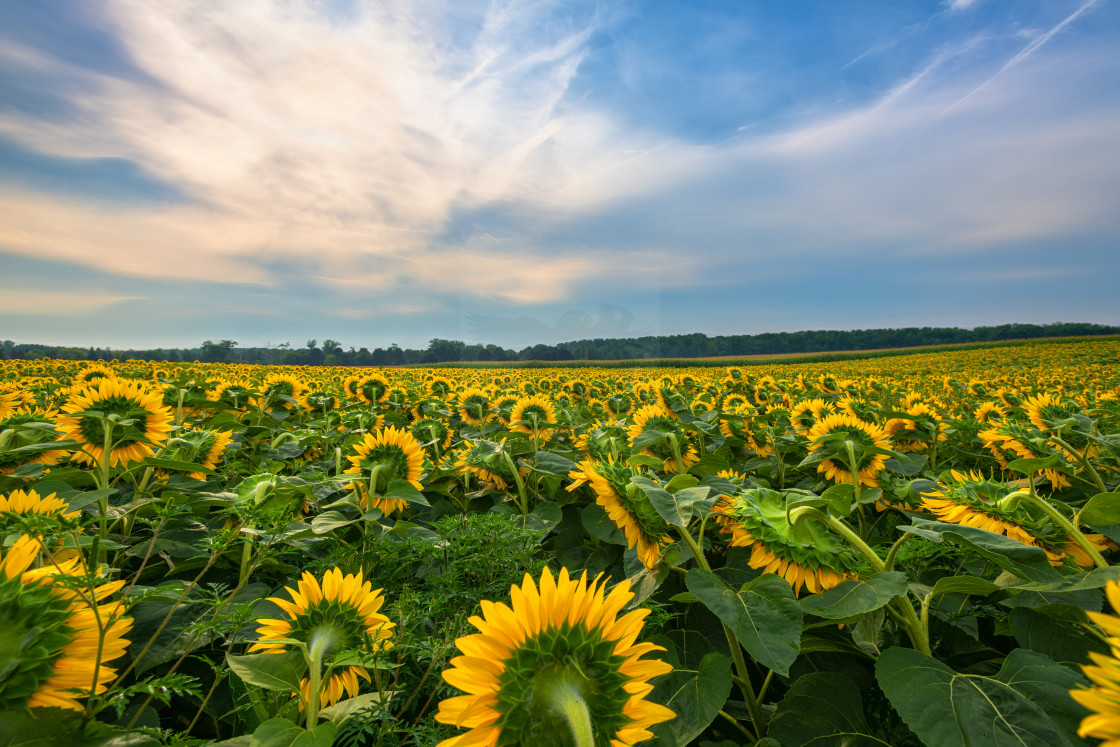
(522, 172)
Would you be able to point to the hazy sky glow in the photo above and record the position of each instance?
(522, 172)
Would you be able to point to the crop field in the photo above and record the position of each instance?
(906, 550)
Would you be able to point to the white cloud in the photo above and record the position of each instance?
(352, 149)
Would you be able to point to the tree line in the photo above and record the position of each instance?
(697, 345)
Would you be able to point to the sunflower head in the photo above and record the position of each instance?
(55, 643)
(135, 418)
(532, 415)
(342, 610)
(806, 554)
(28, 429)
(969, 499)
(474, 406)
(654, 432)
(385, 455)
(559, 656)
(834, 433)
(486, 460)
(626, 506)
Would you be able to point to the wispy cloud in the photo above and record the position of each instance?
(295, 136)
(51, 303)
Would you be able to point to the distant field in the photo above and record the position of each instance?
(767, 357)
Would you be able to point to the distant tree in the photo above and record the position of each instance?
(217, 352)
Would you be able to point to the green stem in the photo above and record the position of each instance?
(524, 504)
(908, 618)
(853, 465)
(1057, 517)
(744, 678)
(568, 702)
(1084, 463)
(889, 562)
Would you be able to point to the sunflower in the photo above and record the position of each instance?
(93, 374)
(440, 387)
(601, 441)
(530, 413)
(343, 606)
(25, 429)
(626, 506)
(836, 467)
(205, 447)
(486, 461)
(232, 393)
(807, 555)
(805, 414)
(433, 432)
(561, 656)
(390, 454)
(736, 421)
(989, 413)
(619, 404)
(13, 400)
(31, 503)
(474, 406)
(320, 400)
(116, 400)
(970, 500)
(372, 389)
(55, 641)
(1010, 441)
(503, 406)
(671, 445)
(1103, 697)
(915, 433)
(281, 392)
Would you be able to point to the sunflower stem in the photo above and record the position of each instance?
(744, 678)
(1083, 461)
(853, 465)
(889, 562)
(1056, 516)
(908, 618)
(524, 503)
(568, 701)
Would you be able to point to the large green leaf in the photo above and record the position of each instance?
(1047, 684)
(945, 708)
(663, 502)
(56, 727)
(1102, 509)
(1024, 561)
(964, 585)
(1059, 631)
(696, 699)
(553, 464)
(764, 615)
(854, 597)
(1093, 579)
(280, 732)
(822, 708)
(281, 671)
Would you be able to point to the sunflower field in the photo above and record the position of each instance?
(920, 549)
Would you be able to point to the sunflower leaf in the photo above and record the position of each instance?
(696, 699)
(280, 732)
(664, 502)
(764, 615)
(281, 672)
(1030, 466)
(822, 708)
(403, 490)
(944, 707)
(1102, 509)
